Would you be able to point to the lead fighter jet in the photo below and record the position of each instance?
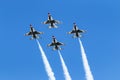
(77, 32)
(55, 43)
(51, 21)
(33, 33)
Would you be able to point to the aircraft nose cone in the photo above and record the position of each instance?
(48, 14)
(74, 23)
(53, 37)
(30, 25)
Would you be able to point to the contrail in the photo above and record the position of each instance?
(66, 73)
(46, 63)
(88, 72)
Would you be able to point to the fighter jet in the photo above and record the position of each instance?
(56, 45)
(77, 32)
(52, 23)
(33, 33)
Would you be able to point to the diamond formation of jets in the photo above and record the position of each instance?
(56, 45)
(33, 33)
(52, 23)
(77, 32)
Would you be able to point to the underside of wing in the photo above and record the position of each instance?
(81, 31)
(57, 22)
(29, 33)
(46, 22)
(52, 44)
(73, 31)
(58, 43)
(36, 32)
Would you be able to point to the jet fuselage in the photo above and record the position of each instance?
(33, 33)
(56, 45)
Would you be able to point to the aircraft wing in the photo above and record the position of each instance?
(81, 31)
(58, 43)
(36, 32)
(73, 31)
(29, 33)
(46, 22)
(57, 22)
(52, 44)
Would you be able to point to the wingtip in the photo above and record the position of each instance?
(84, 31)
(42, 22)
(25, 34)
(53, 36)
(68, 32)
(49, 45)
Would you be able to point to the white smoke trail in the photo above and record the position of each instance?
(66, 73)
(46, 63)
(88, 72)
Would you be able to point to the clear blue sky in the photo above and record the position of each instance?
(20, 58)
